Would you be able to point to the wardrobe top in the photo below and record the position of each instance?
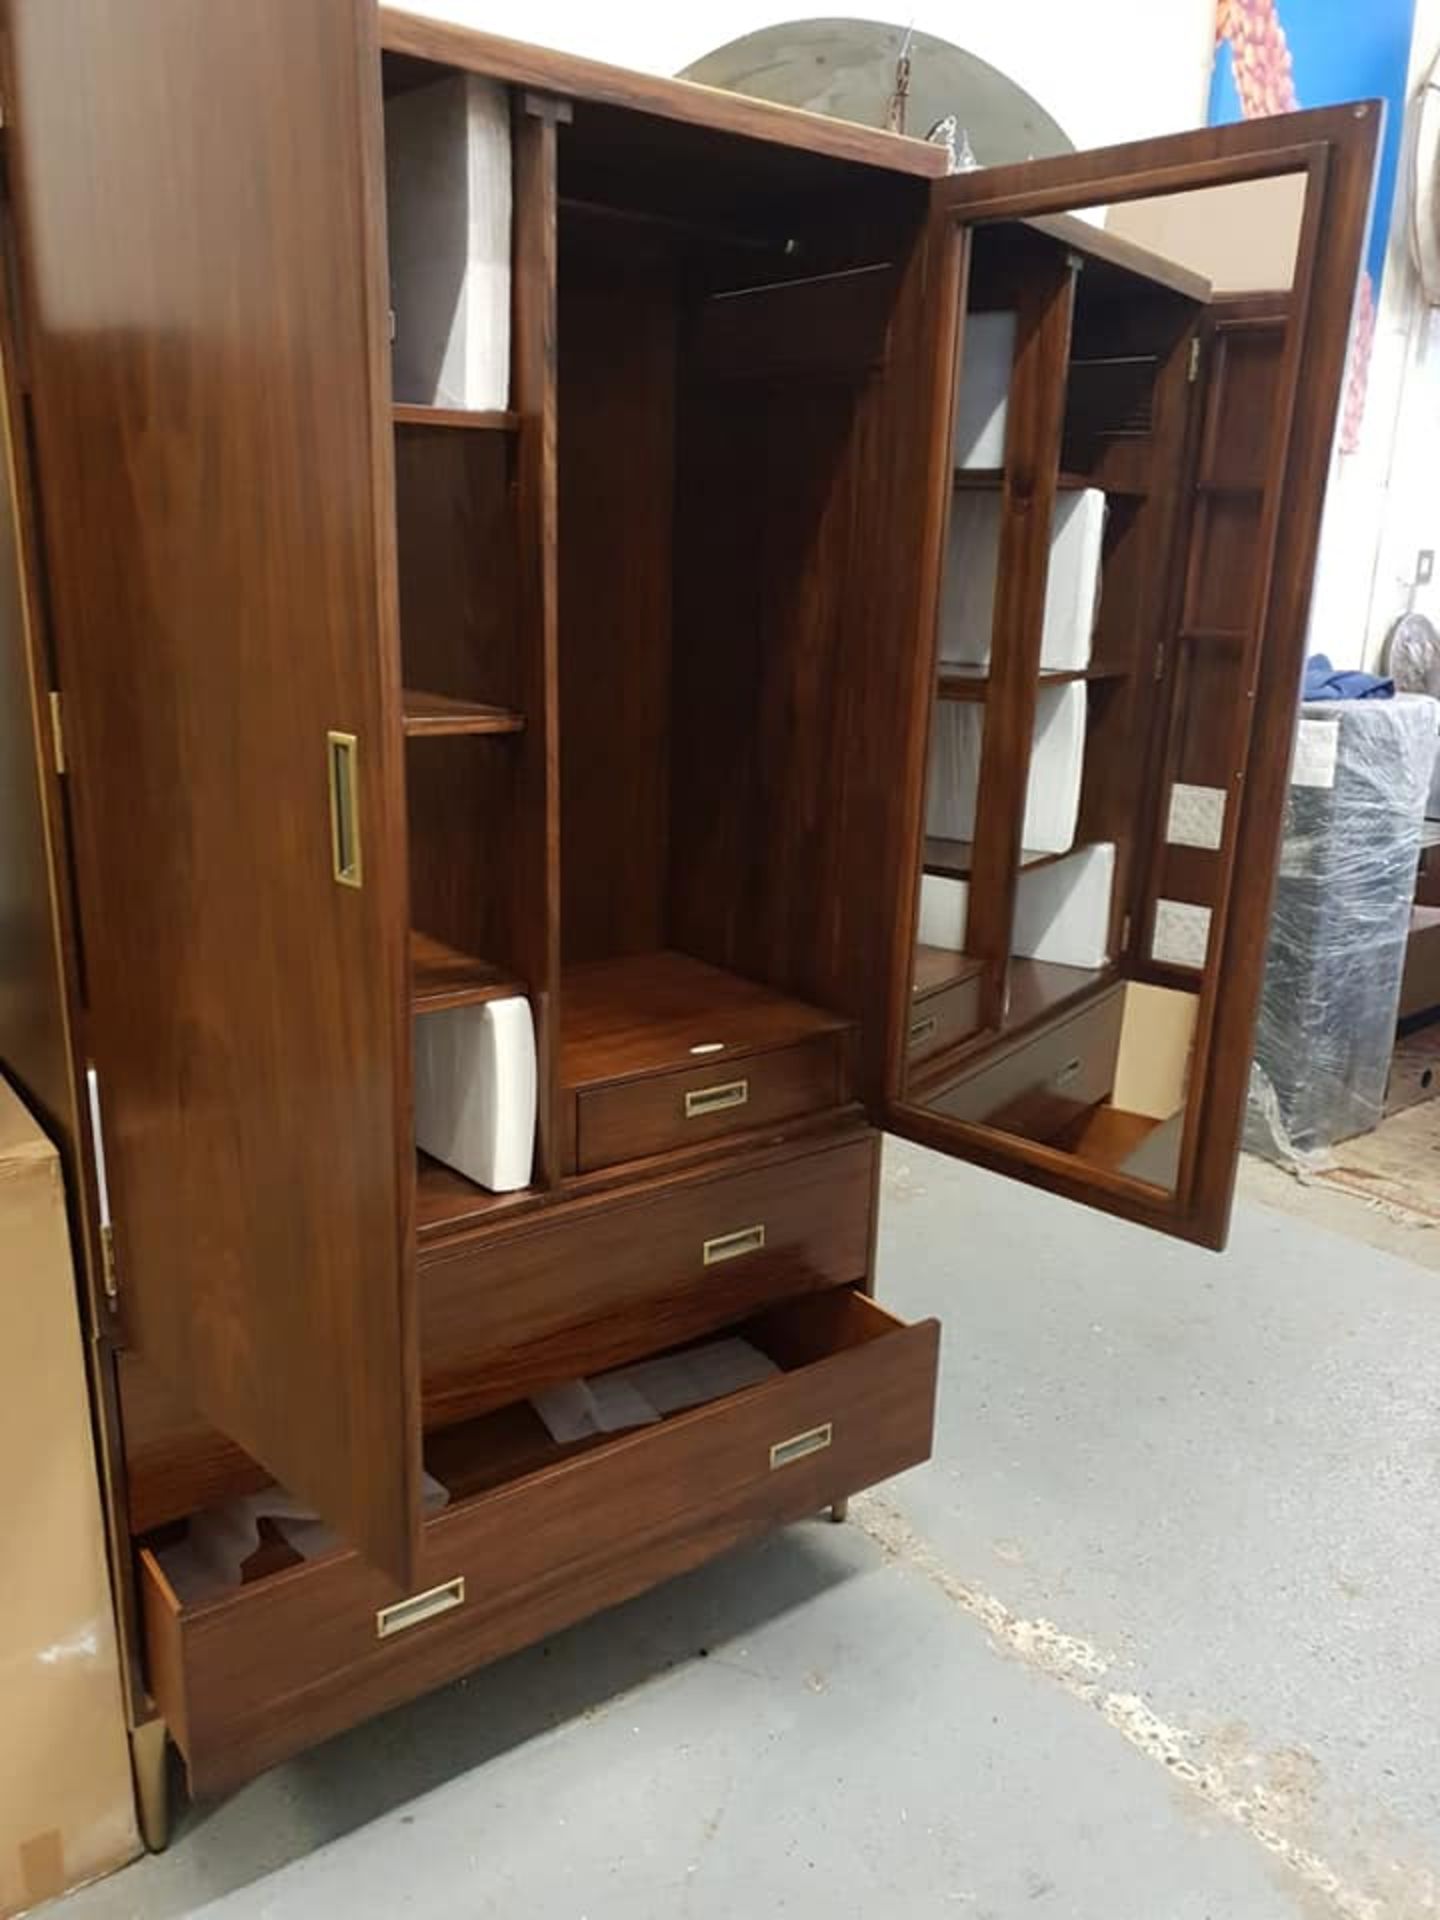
(422, 39)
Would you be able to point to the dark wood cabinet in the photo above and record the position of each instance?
(626, 694)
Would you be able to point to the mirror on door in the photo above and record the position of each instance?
(1121, 409)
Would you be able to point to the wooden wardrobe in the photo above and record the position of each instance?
(324, 713)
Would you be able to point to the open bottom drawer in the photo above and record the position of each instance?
(537, 1537)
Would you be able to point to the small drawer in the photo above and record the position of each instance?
(632, 1119)
(538, 1537)
(613, 1278)
(1044, 1081)
(942, 1019)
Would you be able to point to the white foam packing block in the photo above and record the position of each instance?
(980, 406)
(1057, 765)
(944, 909)
(1062, 911)
(475, 1091)
(1072, 587)
(448, 186)
(957, 737)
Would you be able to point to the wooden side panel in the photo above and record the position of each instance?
(34, 1036)
(535, 856)
(201, 253)
(1034, 424)
(617, 486)
(800, 699)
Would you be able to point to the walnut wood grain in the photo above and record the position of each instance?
(504, 1300)
(1335, 148)
(439, 715)
(628, 1120)
(406, 414)
(647, 1014)
(534, 859)
(507, 1314)
(618, 320)
(246, 1680)
(441, 976)
(692, 106)
(245, 1012)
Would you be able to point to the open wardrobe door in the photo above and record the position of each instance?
(1133, 437)
(204, 308)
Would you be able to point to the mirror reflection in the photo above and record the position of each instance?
(1119, 423)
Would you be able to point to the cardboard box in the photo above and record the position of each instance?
(67, 1804)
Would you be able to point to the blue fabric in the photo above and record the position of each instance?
(1324, 682)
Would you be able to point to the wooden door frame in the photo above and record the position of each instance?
(1336, 149)
(392, 1540)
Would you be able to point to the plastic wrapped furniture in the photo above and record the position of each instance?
(1342, 913)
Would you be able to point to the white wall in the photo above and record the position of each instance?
(1141, 69)
(1384, 501)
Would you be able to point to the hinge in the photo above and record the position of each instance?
(1194, 370)
(1125, 934)
(108, 1277)
(1159, 661)
(107, 1263)
(57, 731)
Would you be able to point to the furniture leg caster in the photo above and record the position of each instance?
(149, 1756)
(839, 1512)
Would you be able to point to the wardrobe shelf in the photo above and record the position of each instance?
(406, 415)
(430, 716)
(957, 683)
(988, 479)
(442, 976)
(952, 859)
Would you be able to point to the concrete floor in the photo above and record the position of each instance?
(1153, 1637)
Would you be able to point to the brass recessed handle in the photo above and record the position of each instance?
(730, 1093)
(800, 1445)
(923, 1029)
(401, 1614)
(342, 753)
(730, 1246)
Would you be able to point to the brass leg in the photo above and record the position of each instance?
(838, 1511)
(150, 1760)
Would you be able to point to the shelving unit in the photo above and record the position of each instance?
(1095, 405)
(407, 415)
(966, 683)
(987, 479)
(953, 859)
(443, 976)
(430, 716)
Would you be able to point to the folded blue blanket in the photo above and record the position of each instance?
(1324, 682)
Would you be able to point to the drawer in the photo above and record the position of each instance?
(942, 1019)
(537, 1538)
(944, 1004)
(611, 1279)
(631, 1119)
(1044, 1081)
